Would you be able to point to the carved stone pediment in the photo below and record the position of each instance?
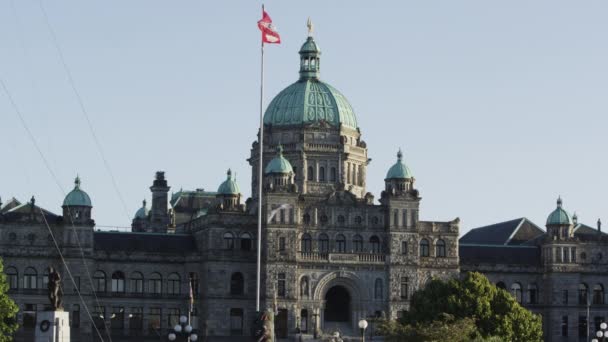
(341, 197)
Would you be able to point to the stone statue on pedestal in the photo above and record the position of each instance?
(55, 292)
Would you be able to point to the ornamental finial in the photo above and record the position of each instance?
(310, 27)
(77, 182)
(559, 201)
(399, 154)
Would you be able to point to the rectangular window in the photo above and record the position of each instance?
(75, 316)
(597, 320)
(404, 287)
(582, 326)
(405, 223)
(99, 317)
(565, 252)
(404, 247)
(117, 320)
(564, 325)
(573, 254)
(172, 317)
(281, 285)
(29, 316)
(236, 322)
(565, 296)
(154, 320)
(558, 254)
(282, 244)
(136, 319)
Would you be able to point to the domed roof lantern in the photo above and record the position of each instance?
(279, 164)
(399, 170)
(77, 197)
(142, 213)
(559, 216)
(229, 186)
(310, 54)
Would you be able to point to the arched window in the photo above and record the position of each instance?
(321, 174)
(440, 249)
(155, 284)
(306, 243)
(304, 287)
(340, 244)
(582, 293)
(374, 242)
(310, 173)
(237, 283)
(516, 291)
(99, 279)
(30, 278)
(12, 278)
(378, 289)
(228, 240)
(332, 174)
(358, 220)
(501, 285)
(137, 282)
(424, 248)
(118, 282)
(375, 220)
(358, 244)
(532, 294)
(306, 218)
(341, 220)
(246, 242)
(598, 294)
(174, 284)
(323, 243)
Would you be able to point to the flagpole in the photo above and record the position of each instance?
(260, 175)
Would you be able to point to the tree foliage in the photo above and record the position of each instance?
(494, 312)
(8, 310)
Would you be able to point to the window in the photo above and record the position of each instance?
(310, 173)
(424, 248)
(440, 249)
(573, 254)
(583, 256)
(154, 323)
(99, 317)
(31, 238)
(137, 282)
(404, 287)
(582, 326)
(598, 294)
(323, 243)
(282, 243)
(30, 278)
(378, 289)
(565, 296)
(246, 242)
(12, 236)
(29, 316)
(75, 316)
(358, 244)
(375, 220)
(321, 174)
(597, 321)
(358, 220)
(174, 284)
(341, 244)
(236, 322)
(281, 285)
(564, 325)
(582, 294)
(228, 241)
(117, 320)
(306, 218)
(396, 218)
(306, 243)
(136, 319)
(324, 219)
(237, 283)
(341, 220)
(332, 174)
(304, 321)
(12, 278)
(374, 242)
(532, 294)
(404, 247)
(99, 279)
(516, 291)
(304, 287)
(172, 317)
(118, 282)
(155, 283)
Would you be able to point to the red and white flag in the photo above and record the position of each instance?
(269, 31)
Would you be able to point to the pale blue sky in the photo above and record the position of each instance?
(499, 106)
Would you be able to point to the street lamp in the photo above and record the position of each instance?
(362, 326)
(601, 334)
(184, 329)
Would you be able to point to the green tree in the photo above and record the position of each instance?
(495, 312)
(8, 310)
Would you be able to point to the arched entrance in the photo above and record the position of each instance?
(337, 305)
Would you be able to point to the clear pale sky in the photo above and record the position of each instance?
(499, 106)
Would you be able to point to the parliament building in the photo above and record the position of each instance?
(332, 252)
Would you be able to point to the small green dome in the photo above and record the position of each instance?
(229, 186)
(559, 216)
(142, 213)
(77, 197)
(310, 47)
(279, 164)
(399, 170)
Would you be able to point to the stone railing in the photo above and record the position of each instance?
(342, 257)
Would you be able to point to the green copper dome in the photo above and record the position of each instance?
(399, 170)
(77, 197)
(142, 213)
(279, 164)
(229, 186)
(559, 216)
(310, 100)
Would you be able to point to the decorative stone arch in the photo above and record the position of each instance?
(349, 280)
